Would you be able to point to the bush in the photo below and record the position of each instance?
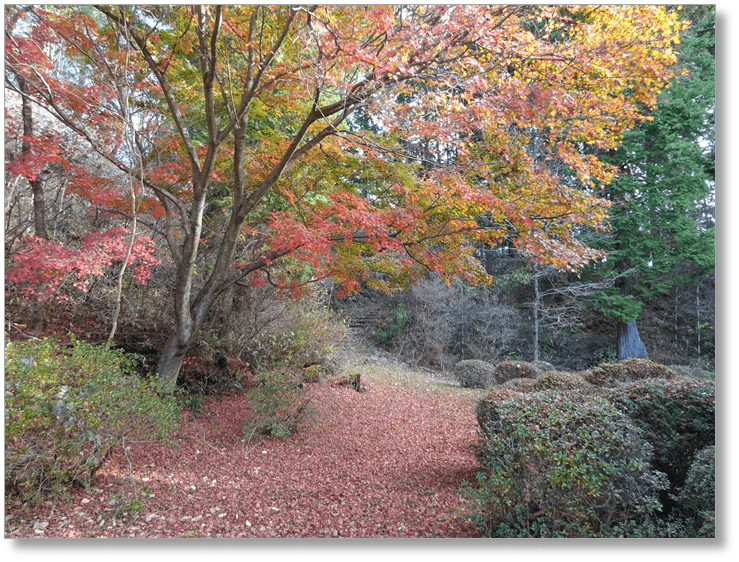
(313, 373)
(473, 373)
(695, 514)
(66, 410)
(559, 380)
(520, 385)
(304, 336)
(676, 417)
(508, 370)
(279, 405)
(560, 465)
(610, 375)
(487, 406)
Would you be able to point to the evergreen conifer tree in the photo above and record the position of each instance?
(662, 215)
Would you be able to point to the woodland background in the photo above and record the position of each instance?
(218, 202)
(660, 268)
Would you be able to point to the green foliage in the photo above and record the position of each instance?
(609, 375)
(307, 336)
(623, 308)
(662, 213)
(707, 338)
(67, 409)
(608, 355)
(130, 505)
(696, 501)
(515, 278)
(312, 373)
(473, 373)
(279, 405)
(194, 403)
(400, 319)
(676, 417)
(559, 380)
(560, 465)
(694, 513)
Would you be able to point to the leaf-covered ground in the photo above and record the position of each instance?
(387, 462)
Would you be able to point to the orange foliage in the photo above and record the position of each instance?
(397, 139)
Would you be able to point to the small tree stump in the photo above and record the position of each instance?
(353, 380)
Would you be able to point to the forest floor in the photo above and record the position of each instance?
(387, 462)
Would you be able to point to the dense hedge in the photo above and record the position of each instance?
(67, 409)
(564, 458)
(473, 373)
(609, 375)
(559, 464)
(696, 501)
(559, 380)
(677, 417)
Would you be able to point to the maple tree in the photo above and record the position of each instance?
(357, 142)
(43, 266)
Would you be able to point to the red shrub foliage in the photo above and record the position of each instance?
(51, 265)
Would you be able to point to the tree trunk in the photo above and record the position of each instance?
(629, 343)
(37, 188)
(39, 221)
(170, 361)
(698, 313)
(537, 302)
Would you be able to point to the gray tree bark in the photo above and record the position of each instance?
(630, 344)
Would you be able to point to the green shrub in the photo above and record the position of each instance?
(400, 319)
(508, 370)
(609, 375)
(279, 404)
(560, 465)
(521, 385)
(312, 373)
(307, 336)
(67, 409)
(473, 373)
(486, 406)
(678, 418)
(560, 380)
(696, 501)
